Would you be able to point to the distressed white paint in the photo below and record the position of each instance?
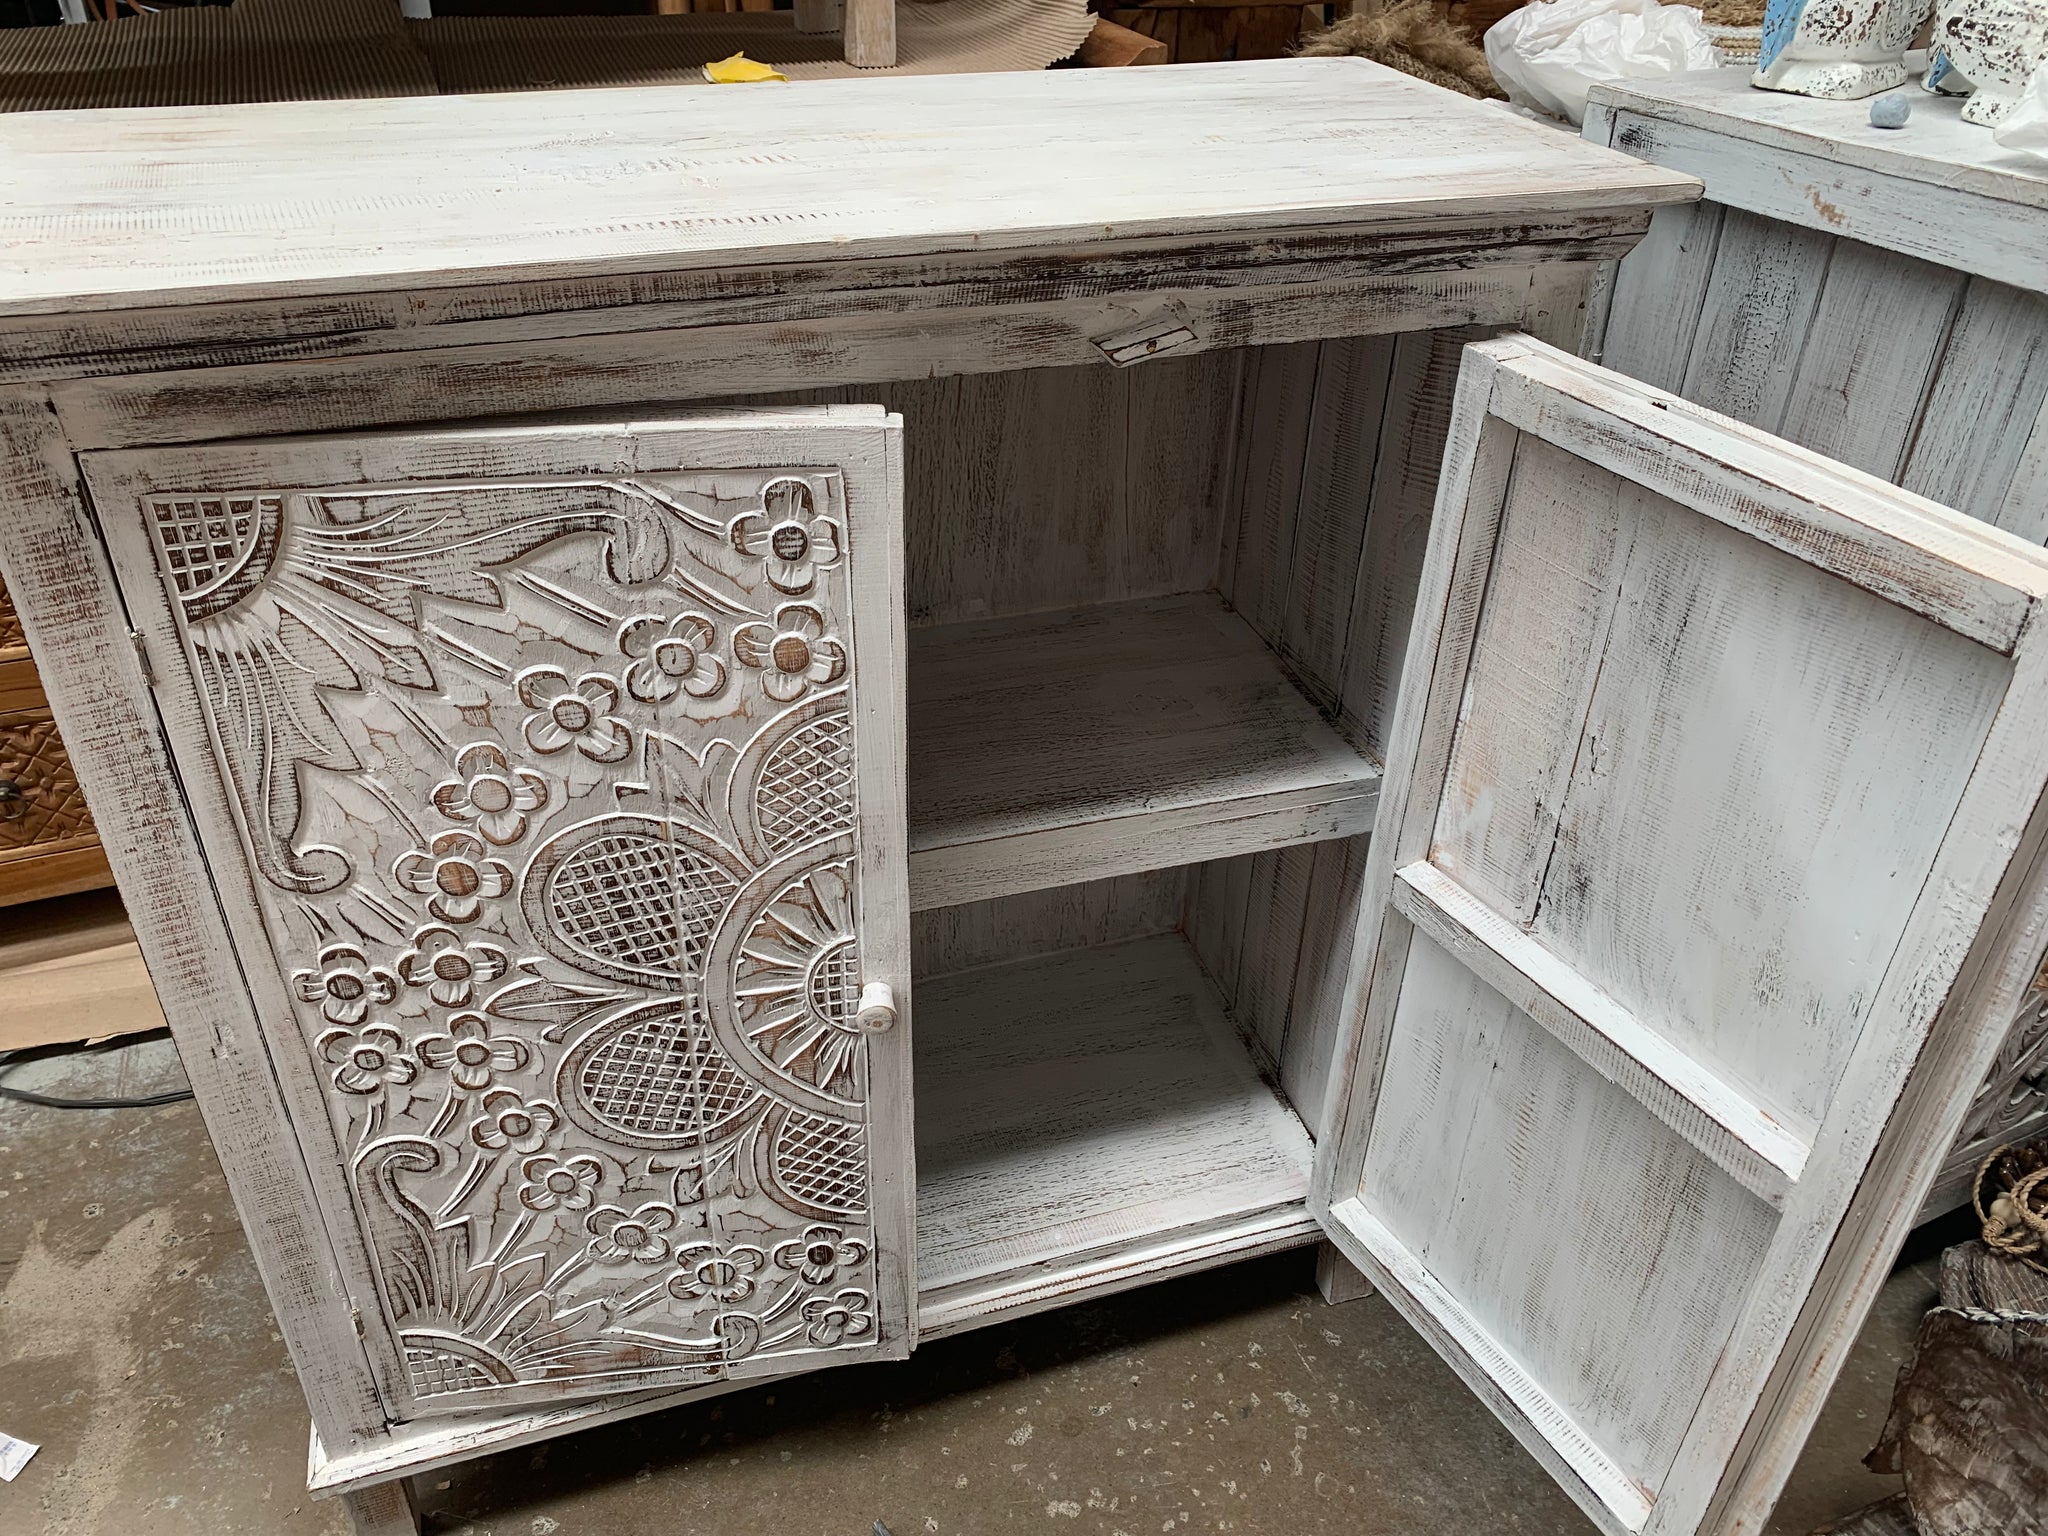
(1941, 191)
(1048, 1137)
(632, 259)
(1725, 628)
(1071, 746)
(251, 200)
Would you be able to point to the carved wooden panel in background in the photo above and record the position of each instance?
(2011, 1106)
(11, 637)
(41, 805)
(548, 786)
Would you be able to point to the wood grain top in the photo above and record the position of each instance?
(112, 210)
(1935, 146)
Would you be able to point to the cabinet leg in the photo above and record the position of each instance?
(1337, 1278)
(385, 1510)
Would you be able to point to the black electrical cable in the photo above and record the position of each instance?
(9, 1060)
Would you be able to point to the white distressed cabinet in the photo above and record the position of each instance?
(743, 728)
(1880, 296)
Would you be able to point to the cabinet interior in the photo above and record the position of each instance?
(1157, 617)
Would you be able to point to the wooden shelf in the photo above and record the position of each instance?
(1063, 747)
(1087, 1121)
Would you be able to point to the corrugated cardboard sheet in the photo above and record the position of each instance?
(312, 50)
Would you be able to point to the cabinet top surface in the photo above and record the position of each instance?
(182, 205)
(1936, 145)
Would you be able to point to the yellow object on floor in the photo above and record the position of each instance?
(740, 70)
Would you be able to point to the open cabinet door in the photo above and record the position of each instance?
(551, 779)
(1704, 880)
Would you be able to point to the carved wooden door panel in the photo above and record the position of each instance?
(552, 779)
(1707, 876)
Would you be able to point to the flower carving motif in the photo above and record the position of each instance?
(551, 1181)
(368, 1060)
(456, 876)
(489, 791)
(346, 984)
(574, 714)
(617, 1238)
(724, 1274)
(820, 1254)
(469, 1053)
(450, 967)
(670, 655)
(510, 1121)
(829, 1319)
(791, 654)
(789, 535)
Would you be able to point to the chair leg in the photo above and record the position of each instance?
(386, 1509)
(817, 15)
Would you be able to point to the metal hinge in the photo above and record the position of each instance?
(142, 656)
(1165, 328)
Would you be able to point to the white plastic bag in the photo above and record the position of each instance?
(2026, 127)
(1548, 55)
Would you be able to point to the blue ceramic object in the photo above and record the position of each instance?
(1837, 49)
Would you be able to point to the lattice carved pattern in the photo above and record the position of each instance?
(50, 808)
(2014, 1099)
(550, 784)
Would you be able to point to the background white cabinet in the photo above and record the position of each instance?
(1876, 296)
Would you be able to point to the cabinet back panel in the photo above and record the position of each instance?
(1058, 487)
(1340, 445)
(1274, 932)
(978, 933)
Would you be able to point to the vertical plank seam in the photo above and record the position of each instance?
(1937, 369)
(1776, 426)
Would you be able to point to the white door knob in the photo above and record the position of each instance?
(877, 1007)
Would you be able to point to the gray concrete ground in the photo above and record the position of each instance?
(137, 1349)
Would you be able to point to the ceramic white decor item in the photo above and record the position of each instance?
(1837, 49)
(1997, 44)
(1942, 77)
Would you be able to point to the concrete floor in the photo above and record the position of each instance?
(137, 1349)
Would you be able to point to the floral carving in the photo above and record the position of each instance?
(456, 876)
(848, 1315)
(489, 791)
(470, 1055)
(574, 714)
(368, 1060)
(581, 1026)
(550, 1182)
(617, 1238)
(725, 1274)
(668, 655)
(820, 1254)
(789, 535)
(739, 1332)
(346, 984)
(449, 966)
(508, 1120)
(792, 654)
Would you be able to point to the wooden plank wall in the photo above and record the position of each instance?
(1335, 480)
(979, 933)
(1047, 488)
(1931, 378)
